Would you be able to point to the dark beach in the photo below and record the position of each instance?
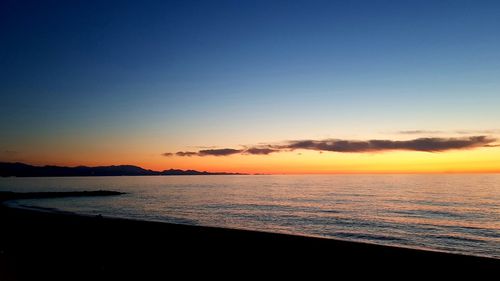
(41, 245)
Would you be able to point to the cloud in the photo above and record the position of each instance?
(224, 152)
(352, 146)
(469, 132)
(420, 144)
(186, 153)
(459, 132)
(260, 151)
(219, 152)
(207, 152)
(419, 132)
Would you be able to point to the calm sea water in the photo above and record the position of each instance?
(453, 213)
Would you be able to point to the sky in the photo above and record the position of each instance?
(252, 86)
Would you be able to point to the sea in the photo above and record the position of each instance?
(458, 213)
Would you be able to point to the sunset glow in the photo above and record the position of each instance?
(227, 137)
(239, 87)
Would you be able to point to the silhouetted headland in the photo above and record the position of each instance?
(25, 170)
(54, 245)
(8, 195)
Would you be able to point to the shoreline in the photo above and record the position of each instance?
(37, 243)
(55, 211)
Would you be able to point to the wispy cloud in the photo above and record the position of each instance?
(9, 152)
(352, 146)
(492, 145)
(469, 132)
(459, 132)
(419, 132)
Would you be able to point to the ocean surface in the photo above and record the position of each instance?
(451, 213)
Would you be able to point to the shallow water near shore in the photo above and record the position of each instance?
(451, 213)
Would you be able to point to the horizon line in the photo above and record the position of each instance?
(281, 172)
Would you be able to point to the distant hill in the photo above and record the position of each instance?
(25, 170)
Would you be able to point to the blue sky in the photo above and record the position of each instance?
(236, 71)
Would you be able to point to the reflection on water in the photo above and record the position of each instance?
(456, 213)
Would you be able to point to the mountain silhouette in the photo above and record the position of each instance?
(25, 170)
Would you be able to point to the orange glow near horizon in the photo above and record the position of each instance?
(307, 162)
(481, 160)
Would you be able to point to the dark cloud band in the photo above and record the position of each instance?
(420, 144)
(353, 146)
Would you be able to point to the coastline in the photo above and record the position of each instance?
(16, 205)
(38, 244)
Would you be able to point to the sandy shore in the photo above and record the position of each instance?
(61, 246)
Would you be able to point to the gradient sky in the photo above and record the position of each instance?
(122, 82)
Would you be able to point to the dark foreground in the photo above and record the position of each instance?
(61, 246)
